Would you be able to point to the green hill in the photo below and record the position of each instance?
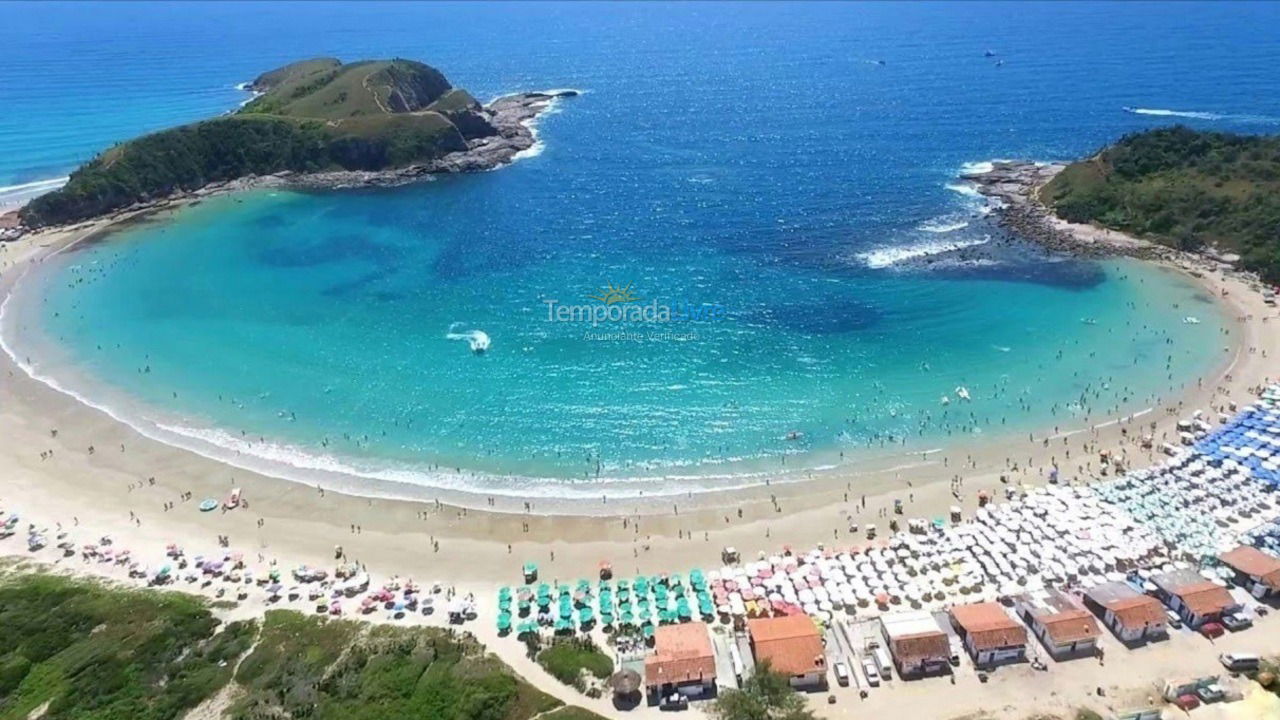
(1183, 188)
(311, 116)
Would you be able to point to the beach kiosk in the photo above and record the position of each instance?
(919, 646)
(990, 635)
(1196, 600)
(792, 646)
(1132, 616)
(682, 662)
(1255, 571)
(1064, 627)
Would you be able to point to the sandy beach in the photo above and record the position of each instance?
(63, 462)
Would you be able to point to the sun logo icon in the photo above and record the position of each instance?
(612, 294)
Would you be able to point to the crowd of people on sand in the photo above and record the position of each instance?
(225, 573)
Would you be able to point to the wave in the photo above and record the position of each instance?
(553, 107)
(1202, 115)
(966, 189)
(945, 224)
(21, 193)
(889, 256)
(981, 166)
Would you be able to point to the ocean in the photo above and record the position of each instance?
(781, 179)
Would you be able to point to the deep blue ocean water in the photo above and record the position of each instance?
(792, 166)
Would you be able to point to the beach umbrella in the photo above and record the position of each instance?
(625, 682)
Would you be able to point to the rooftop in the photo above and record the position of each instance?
(1252, 561)
(989, 625)
(682, 653)
(1201, 596)
(1133, 609)
(1064, 620)
(915, 636)
(791, 644)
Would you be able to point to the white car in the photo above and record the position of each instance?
(869, 669)
(842, 673)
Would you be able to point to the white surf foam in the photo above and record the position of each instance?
(553, 107)
(944, 224)
(20, 194)
(964, 188)
(889, 256)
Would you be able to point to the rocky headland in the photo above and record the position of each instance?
(312, 124)
(1015, 188)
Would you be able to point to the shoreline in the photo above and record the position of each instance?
(864, 470)
(869, 473)
(545, 495)
(144, 493)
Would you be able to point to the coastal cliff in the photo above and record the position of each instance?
(314, 123)
(1152, 194)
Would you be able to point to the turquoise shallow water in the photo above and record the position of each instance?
(286, 317)
(751, 159)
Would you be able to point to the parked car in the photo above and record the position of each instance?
(1239, 662)
(956, 650)
(1212, 630)
(1210, 693)
(673, 702)
(1236, 623)
(842, 673)
(1175, 621)
(869, 669)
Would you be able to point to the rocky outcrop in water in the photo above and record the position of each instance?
(1015, 186)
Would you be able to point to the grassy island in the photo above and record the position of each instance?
(1184, 188)
(310, 116)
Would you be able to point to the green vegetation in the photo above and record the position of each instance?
(312, 115)
(343, 670)
(570, 659)
(71, 650)
(766, 695)
(571, 712)
(1183, 188)
(81, 651)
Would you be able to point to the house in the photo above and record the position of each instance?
(792, 646)
(1196, 600)
(682, 662)
(1131, 615)
(1064, 627)
(990, 635)
(1256, 571)
(916, 642)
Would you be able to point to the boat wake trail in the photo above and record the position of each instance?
(477, 340)
(1200, 115)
